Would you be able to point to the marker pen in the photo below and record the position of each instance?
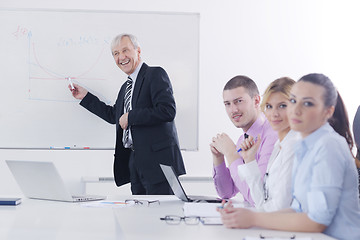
(240, 149)
(223, 205)
(71, 84)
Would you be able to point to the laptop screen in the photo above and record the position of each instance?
(39, 180)
(174, 182)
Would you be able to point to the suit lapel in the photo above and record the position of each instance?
(121, 99)
(138, 83)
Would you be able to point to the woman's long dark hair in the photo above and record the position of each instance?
(340, 120)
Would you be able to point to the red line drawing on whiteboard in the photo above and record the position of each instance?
(42, 77)
(38, 63)
(54, 77)
(92, 67)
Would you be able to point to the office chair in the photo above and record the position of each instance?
(356, 131)
(356, 127)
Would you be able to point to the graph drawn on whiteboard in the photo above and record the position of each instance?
(44, 71)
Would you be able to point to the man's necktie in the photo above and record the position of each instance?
(127, 98)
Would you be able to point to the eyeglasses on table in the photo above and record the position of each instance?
(175, 220)
(270, 237)
(142, 202)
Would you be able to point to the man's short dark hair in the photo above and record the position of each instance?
(245, 82)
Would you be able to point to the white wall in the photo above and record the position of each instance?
(259, 38)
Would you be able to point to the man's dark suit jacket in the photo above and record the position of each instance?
(152, 125)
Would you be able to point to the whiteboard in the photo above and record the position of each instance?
(40, 48)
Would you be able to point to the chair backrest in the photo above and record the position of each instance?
(356, 129)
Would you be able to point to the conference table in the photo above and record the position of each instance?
(112, 219)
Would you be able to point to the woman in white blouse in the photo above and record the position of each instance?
(274, 191)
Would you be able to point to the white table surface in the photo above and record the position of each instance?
(41, 219)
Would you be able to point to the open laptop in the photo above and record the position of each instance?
(41, 180)
(178, 190)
